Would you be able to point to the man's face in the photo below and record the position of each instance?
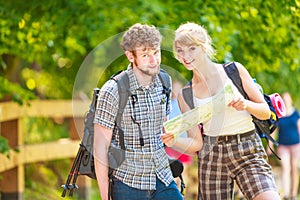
(147, 60)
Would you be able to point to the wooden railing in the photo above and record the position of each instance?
(11, 127)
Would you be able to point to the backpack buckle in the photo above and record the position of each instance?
(222, 139)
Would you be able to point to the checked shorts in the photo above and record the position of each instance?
(241, 158)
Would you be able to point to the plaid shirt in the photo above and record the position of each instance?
(143, 163)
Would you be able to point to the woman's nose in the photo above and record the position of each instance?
(186, 56)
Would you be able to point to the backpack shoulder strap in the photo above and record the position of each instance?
(233, 73)
(164, 78)
(166, 83)
(187, 93)
(122, 81)
(94, 100)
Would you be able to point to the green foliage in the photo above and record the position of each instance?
(43, 180)
(37, 133)
(44, 43)
(4, 148)
(52, 38)
(14, 91)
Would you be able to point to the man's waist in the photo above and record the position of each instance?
(142, 155)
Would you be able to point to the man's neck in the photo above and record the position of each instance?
(143, 78)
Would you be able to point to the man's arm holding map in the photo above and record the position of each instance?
(174, 127)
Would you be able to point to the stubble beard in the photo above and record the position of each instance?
(148, 71)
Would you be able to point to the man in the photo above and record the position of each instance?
(145, 173)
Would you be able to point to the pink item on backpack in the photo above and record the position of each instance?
(278, 104)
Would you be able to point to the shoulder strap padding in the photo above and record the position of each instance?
(187, 93)
(122, 81)
(164, 78)
(233, 73)
(166, 83)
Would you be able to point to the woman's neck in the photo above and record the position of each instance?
(207, 71)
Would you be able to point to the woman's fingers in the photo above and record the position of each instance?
(238, 103)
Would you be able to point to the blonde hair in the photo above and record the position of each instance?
(194, 34)
(139, 35)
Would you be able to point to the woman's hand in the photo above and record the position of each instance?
(239, 103)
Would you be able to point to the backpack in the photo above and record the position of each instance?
(84, 161)
(263, 127)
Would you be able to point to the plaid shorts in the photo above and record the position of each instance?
(241, 158)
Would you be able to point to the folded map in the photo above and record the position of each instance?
(199, 114)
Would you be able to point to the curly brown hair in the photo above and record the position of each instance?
(141, 35)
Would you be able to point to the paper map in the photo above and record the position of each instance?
(192, 118)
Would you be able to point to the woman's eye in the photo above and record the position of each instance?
(192, 48)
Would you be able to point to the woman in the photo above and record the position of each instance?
(231, 148)
(289, 148)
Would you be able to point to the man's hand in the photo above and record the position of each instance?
(168, 139)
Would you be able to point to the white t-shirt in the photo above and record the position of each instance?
(225, 120)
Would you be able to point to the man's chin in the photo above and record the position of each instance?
(156, 71)
(153, 71)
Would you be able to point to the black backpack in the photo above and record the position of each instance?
(84, 160)
(263, 127)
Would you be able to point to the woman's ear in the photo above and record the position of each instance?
(129, 56)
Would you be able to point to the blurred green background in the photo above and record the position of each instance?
(43, 44)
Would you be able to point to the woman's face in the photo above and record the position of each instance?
(189, 55)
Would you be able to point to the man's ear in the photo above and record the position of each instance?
(129, 56)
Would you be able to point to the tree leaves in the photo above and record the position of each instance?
(58, 35)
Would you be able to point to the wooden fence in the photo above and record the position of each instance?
(11, 127)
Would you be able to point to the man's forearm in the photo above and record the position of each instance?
(102, 138)
(102, 177)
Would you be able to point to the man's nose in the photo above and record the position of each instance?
(153, 59)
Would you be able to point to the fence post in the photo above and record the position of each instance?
(12, 181)
(76, 132)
